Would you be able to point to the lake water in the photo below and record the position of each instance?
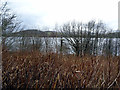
(53, 44)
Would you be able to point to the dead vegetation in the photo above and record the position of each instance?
(51, 70)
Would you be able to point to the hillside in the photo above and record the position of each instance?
(38, 33)
(35, 32)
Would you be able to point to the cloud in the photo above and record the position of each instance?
(49, 12)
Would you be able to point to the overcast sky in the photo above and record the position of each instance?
(37, 13)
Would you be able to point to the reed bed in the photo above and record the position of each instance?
(51, 70)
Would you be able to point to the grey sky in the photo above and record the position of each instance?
(37, 13)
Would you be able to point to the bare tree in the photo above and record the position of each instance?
(8, 23)
(83, 38)
(71, 32)
(47, 43)
(37, 43)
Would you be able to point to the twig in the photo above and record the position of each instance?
(114, 81)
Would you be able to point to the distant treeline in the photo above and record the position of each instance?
(38, 33)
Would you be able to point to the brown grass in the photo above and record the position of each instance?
(37, 70)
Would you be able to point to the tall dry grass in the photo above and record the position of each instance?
(51, 70)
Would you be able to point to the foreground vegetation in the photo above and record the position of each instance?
(52, 70)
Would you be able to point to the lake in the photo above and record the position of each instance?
(53, 44)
